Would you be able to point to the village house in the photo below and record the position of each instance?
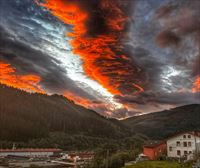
(183, 145)
(154, 149)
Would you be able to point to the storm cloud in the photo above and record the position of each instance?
(21, 45)
(132, 57)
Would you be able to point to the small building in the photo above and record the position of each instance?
(29, 152)
(154, 149)
(185, 144)
(79, 156)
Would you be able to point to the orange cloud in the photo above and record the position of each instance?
(196, 85)
(77, 99)
(102, 53)
(28, 83)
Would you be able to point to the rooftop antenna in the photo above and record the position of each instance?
(14, 146)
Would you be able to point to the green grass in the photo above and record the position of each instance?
(159, 164)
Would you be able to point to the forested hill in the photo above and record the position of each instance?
(162, 124)
(38, 120)
(25, 116)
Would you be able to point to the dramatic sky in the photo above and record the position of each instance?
(118, 57)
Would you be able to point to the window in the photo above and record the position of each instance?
(185, 144)
(184, 136)
(185, 152)
(190, 152)
(178, 152)
(189, 136)
(170, 148)
(178, 143)
(189, 144)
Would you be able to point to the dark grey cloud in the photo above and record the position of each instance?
(168, 71)
(160, 98)
(33, 41)
(180, 27)
(28, 60)
(146, 27)
(22, 32)
(124, 113)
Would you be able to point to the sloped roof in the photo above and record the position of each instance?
(153, 144)
(194, 133)
(30, 150)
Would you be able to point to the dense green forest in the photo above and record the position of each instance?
(166, 123)
(37, 120)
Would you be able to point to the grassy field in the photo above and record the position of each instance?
(159, 164)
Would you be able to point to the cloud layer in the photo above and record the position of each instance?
(118, 58)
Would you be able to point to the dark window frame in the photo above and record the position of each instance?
(178, 152)
(170, 148)
(185, 152)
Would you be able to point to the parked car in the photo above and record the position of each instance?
(141, 157)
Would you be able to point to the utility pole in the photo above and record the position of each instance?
(195, 141)
(107, 158)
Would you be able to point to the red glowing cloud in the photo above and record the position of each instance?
(102, 52)
(77, 99)
(196, 85)
(28, 83)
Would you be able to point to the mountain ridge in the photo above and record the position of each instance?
(39, 120)
(165, 123)
(55, 113)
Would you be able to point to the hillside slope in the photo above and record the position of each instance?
(37, 120)
(25, 116)
(162, 124)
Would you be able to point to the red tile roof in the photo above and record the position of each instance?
(30, 150)
(194, 133)
(153, 144)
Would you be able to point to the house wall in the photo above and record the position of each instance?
(154, 152)
(149, 152)
(173, 147)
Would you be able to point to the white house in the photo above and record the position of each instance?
(183, 145)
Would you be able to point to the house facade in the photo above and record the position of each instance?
(154, 149)
(183, 145)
